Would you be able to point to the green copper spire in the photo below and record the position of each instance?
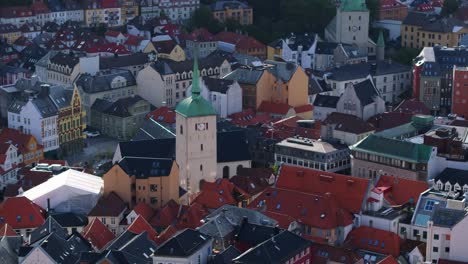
(380, 40)
(195, 78)
(195, 105)
(353, 5)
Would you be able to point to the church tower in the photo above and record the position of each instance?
(195, 139)
(380, 47)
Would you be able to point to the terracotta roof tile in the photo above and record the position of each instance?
(412, 106)
(349, 191)
(7, 230)
(325, 254)
(20, 213)
(162, 114)
(192, 217)
(167, 215)
(140, 225)
(97, 234)
(303, 108)
(216, 194)
(374, 240)
(112, 205)
(241, 41)
(398, 191)
(166, 234)
(144, 210)
(388, 260)
(274, 108)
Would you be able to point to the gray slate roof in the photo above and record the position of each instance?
(142, 168)
(447, 217)
(366, 92)
(183, 244)
(118, 108)
(217, 85)
(245, 76)
(282, 70)
(329, 101)
(102, 81)
(123, 61)
(453, 176)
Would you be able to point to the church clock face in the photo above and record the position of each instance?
(354, 28)
(201, 126)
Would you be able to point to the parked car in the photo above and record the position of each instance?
(92, 134)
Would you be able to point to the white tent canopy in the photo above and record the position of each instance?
(69, 191)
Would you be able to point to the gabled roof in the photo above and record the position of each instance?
(217, 85)
(389, 260)
(112, 205)
(144, 210)
(69, 219)
(50, 226)
(348, 191)
(7, 231)
(242, 42)
(323, 254)
(453, 176)
(216, 194)
(97, 233)
(226, 256)
(162, 114)
(140, 225)
(374, 240)
(166, 234)
(20, 213)
(192, 216)
(278, 249)
(412, 106)
(348, 123)
(282, 70)
(123, 61)
(236, 142)
(102, 81)
(253, 183)
(366, 92)
(183, 244)
(159, 148)
(399, 191)
(328, 101)
(167, 215)
(119, 108)
(245, 76)
(17, 138)
(394, 148)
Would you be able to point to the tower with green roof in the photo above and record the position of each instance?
(380, 47)
(350, 25)
(196, 153)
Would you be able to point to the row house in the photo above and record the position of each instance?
(224, 95)
(271, 83)
(62, 11)
(110, 85)
(433, 78)
(391, 79)
(61, 69)
(109, 211)
(9, 33)
(30, 30)
(315, 204)
(242, 44)
(392, 10)
(344, 128)
(232, 10)
(166, 82)
(16, 15)
(179, 11)
(52, 114)
(149, 180)
(299, 49)
(9, 162)
(170, 50)
(309, 153)
(133, 62)
(29, 150)
(200, 42)
(103, 12)
(416, 32)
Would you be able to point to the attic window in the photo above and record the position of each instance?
(18, 218)
(2, 219)
(278, 206)
(322, 215)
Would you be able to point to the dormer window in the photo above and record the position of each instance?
(448, 187)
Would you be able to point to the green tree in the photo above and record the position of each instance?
(405, 55)
(373, 6)
(203, 17)
(449, 7)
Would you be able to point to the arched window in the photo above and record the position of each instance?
(226, 172)
(201, 147)
(239, 167)
(181, 130)
(201, 167)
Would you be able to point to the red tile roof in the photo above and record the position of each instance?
(398, 191)
(201, 34)
(348, 123)
(162, 114)
(15, 11)
(166, 234)
(20, 213)
(350, 192)
(7, 230)
(241, 41)
(140, 225)
(28, 179)
(249, 118)
(165, 47)
(97, 234)
(303, 108)
(144, 210)
(389, 260)
(324, 254)
(109, 3)
(112, 205)
(390, 4)
(318, 211)
(133, 40)
(374, 240)
(167, 215)
(252, 180)
(192, 217)
(389, 119)
(216, 194)
(17, 138)
(112, 33)
(274, 108)
(412, 106)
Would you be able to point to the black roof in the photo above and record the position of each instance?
(143, 168)
(277, 249)
(447, 217)
(232, 146)
(9, 249)
(226, 256)
(366, 92)
(153, 129)
(123, 61)
(317, 86)
(49, 226)
(418, 19)
(169, 66)
(217, 85)
(254, 234)
(70, 219)
(453, 176)
(118, 108)
(64, 250)
(102, 81)
(60, 96)
(121, 240)
(183, 244)
(155, 148)
(327, 47)
(329, 101)
(63, 59)
(140, 246)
